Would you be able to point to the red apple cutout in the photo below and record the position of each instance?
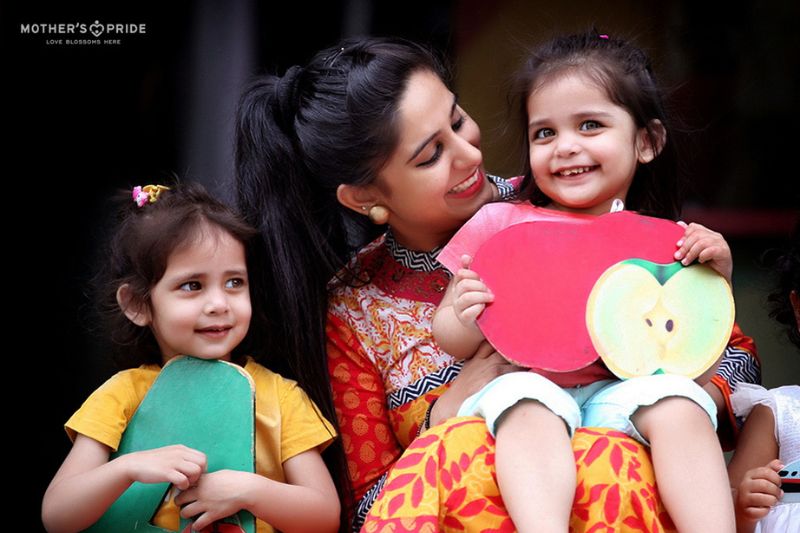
(542, 274)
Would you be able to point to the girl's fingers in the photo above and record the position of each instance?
(484, 350)
(191, 509)
(471, 285)
(471, 313)
(465, 273)
(179, 480)
(473, 298)
(192, 471)
(202, 521)
(758, 499)
(776, 465)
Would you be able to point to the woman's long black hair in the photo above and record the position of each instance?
(298, 137)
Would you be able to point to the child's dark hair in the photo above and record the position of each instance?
(786, 267)
(137, 254)
(625, 73)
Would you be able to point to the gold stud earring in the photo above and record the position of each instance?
(378, 215)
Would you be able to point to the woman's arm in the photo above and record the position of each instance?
(88, 483)
(306, 503)
(359, 397)
(740, 364)
(481, 368)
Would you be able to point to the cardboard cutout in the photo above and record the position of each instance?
(790, 482)
(543, 273)
(203, 404)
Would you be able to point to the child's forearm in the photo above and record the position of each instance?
(744, 525)
(454, 337)
(292, 508)
(73, 503)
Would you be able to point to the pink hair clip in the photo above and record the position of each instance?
(603, 36)
(147, 194)
(139, 196)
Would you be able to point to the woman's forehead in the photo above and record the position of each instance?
(426, 107)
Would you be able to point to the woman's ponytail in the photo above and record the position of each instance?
(299, 137)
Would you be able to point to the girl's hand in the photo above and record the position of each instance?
(758, 492)
(215, 496)
(470, 294)
(177, 464)
(699, 242)
(477, 371)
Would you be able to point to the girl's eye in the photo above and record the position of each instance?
(590, 125)
(458, 123)
(543, 133)
(234, 283)
(190, 286)
(434, 158)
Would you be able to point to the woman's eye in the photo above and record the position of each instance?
(435, 157)
(543, 133)
(458, 123)
(234, 283)
(590, 125)
(190, 286)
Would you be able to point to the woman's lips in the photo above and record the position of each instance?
(469, 186)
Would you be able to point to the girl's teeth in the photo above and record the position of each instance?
(574, 171)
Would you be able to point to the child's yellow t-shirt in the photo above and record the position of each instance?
(287, 422)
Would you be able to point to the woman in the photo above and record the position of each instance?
(367, 140)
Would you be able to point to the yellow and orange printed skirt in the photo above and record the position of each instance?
(445, 481)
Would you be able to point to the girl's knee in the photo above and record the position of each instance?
(668, 413)
(529, 414)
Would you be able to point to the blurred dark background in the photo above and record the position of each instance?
(83, 120)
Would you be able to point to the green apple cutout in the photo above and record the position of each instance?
(646, 318)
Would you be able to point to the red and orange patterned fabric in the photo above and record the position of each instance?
(386, 369)
(445, 482)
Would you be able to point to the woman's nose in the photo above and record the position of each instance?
(467, 155)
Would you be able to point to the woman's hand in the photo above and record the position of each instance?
(709, 247)
(477, 371)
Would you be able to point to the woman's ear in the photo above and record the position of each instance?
(650, 141)
(359, 198)
(136, 310)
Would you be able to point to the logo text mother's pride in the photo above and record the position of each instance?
(80, 28)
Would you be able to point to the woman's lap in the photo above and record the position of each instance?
(445, 481)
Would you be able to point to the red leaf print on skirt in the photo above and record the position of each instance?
(611, 505)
